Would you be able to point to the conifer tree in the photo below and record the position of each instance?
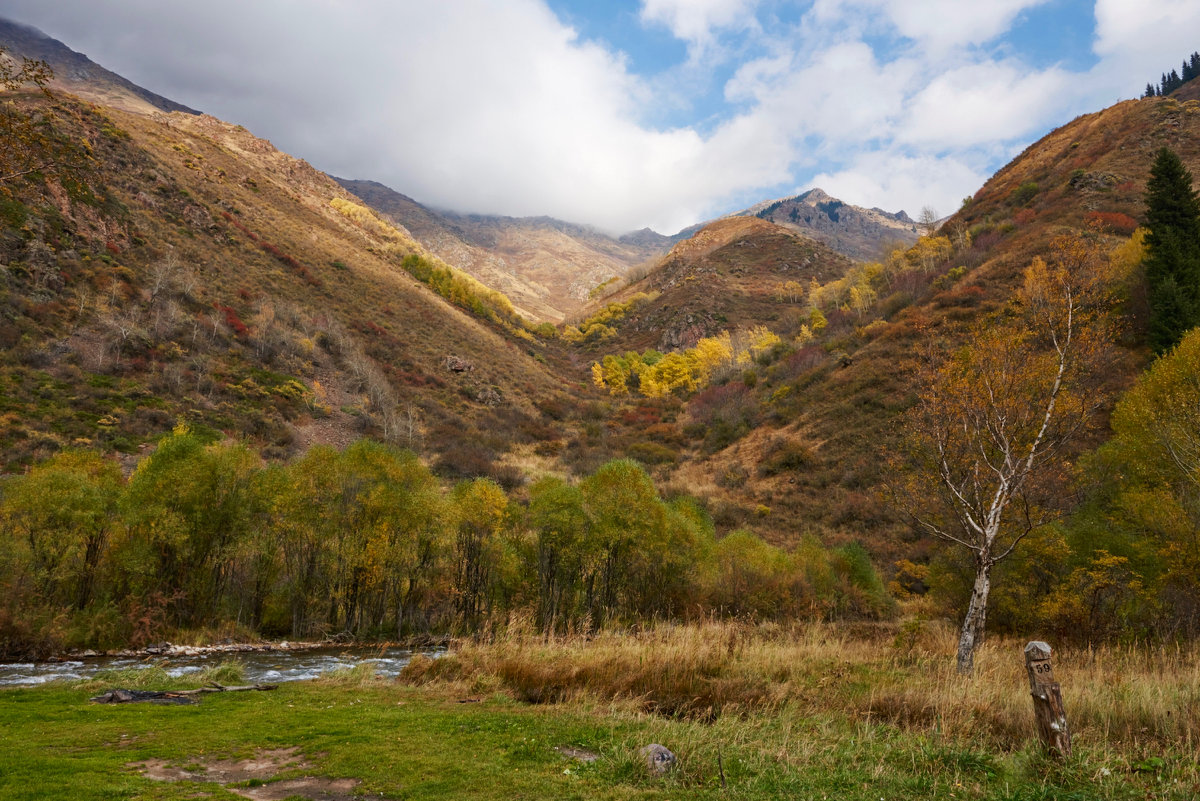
(1173, 250)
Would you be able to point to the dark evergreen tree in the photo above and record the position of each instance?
(1172, 250)
(1149, 90)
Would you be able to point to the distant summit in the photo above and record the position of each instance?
(76, 73)
(547, 267)
(850, 230)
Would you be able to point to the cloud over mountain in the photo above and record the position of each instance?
(502, 107)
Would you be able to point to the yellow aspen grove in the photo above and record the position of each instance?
(709, 354)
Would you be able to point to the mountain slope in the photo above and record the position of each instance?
(76, 73)
(546, 266)
(799, 439)
(206, 277)
(733, 273)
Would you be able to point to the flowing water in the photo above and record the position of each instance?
(268, 667)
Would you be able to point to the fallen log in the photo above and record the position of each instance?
(120, 696)
(213, 687)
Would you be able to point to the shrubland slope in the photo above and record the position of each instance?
(202, 275)
(733, 273)
(799, 439)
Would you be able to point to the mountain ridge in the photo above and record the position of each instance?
(861, 233)
(76, 73)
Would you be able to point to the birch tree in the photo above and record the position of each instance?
(995, 418)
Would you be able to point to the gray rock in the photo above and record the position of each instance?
(659, 760)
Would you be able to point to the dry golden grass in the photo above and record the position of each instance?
(1123, 700)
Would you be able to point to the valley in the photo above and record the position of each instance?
(243, 399)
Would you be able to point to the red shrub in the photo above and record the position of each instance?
(239, 328)
(641, 416)
(1114, 221)
(801, 361)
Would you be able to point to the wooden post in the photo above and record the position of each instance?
(1048, 707)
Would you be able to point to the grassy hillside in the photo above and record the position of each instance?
(201, 274)
(799, 440)
(735, 272)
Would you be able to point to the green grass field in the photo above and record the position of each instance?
(825, 737)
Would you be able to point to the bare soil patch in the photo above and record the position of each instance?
(254, 777)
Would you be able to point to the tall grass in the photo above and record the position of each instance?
(1125, 700)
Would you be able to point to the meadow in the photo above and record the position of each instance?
(811, 712)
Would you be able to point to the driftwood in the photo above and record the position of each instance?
(172, 696)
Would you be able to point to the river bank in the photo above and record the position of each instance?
(770, 713)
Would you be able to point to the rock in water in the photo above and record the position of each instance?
(659, 760)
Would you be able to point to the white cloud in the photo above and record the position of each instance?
(497, 106)
(981, 104)
(696, 21)
(840, 93)
(937, 25)
(942, 24)
(1147, 26)
(1138, 40)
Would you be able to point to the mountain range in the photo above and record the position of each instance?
(549, 268)
(200, 275)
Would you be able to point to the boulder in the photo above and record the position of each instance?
(659, 760)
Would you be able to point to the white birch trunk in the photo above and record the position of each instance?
(976, 619)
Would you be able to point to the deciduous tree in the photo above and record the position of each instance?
(1155, 454)
(32, 146)
(64, 510)
(995, 417)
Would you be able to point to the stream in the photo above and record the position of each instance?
(268, 667)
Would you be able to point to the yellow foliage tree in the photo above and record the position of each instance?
(929, 252)
(994, 419)
(709, 354)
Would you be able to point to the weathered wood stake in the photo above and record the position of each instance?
(1048, 707)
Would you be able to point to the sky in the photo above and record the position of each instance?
(626, 114)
